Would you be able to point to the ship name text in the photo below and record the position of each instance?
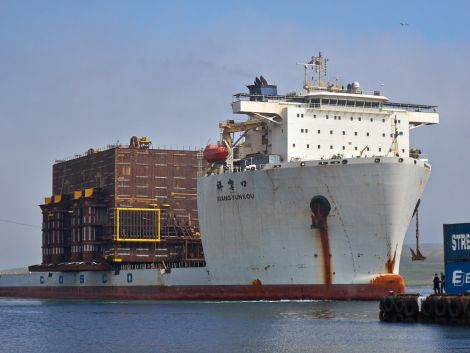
(235, 197)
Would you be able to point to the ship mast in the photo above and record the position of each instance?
(318, 66)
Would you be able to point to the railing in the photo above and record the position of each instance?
(118, 145)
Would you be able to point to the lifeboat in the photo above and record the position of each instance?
(214, 153)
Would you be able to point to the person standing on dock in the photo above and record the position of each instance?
(436, 282)
(443, 283)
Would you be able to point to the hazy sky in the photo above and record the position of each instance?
(81, 74)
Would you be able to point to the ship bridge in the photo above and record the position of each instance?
(328, 121)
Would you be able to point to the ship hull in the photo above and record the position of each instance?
(205, 293)
(180, 284)
(267, 227)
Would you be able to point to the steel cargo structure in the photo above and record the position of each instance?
(126, 205)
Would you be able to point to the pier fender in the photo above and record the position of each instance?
(411, 308)
(399, 305)
(388, 304)
(466, 308)
(427, 308)
(440, 307)
(455, 308)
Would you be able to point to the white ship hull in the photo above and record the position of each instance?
(261, 233)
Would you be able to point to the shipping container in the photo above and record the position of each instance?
(456, 242)
(457, 277)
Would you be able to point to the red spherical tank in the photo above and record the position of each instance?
(214, 153)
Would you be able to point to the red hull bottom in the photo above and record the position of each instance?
(371, 291)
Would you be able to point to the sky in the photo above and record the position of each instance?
(81, 74)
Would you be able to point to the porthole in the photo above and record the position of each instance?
(400, 160)
(344, 161)
(377, 160)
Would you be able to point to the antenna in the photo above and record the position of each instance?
(319, 73)
(395, 134)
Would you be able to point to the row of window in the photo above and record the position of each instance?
(344, 132)
(338, 117)
(345, 103)
(344, 148)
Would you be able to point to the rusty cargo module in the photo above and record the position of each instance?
(123, 207)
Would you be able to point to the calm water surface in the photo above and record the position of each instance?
(314, 326)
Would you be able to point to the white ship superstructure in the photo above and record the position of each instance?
(318, 188)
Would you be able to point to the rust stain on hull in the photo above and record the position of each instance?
(390, 264)
(320, 207)
(325, 248)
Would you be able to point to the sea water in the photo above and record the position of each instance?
(49, 326)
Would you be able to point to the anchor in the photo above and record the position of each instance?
(416, 255)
